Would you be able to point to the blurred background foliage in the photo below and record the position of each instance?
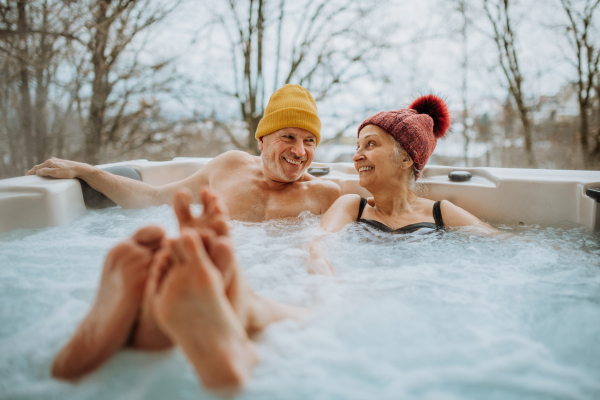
(109, 80)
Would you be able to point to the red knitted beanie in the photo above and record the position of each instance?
(417, 128)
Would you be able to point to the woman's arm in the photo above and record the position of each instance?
(340, 214)
(455, 216)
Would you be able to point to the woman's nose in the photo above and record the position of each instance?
(357, 156)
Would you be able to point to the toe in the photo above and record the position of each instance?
(222, 254)
(149, 236)
(181, 205)
(191, 243)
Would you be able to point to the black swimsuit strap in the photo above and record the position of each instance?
(437, 215)
(363, 204)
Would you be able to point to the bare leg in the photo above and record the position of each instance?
(107, 326)
(147, 335)
(191, 306)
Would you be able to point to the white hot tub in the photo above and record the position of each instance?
(493, 194)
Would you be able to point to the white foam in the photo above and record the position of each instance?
(453, 316)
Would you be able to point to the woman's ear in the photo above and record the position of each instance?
(407, 162)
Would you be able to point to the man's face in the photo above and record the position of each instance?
(287, 153)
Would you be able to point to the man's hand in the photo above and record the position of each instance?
(57, 168)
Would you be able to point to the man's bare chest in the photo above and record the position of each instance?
(247, 201)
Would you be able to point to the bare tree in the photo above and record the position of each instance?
(462, 8)
(45, 113)
(34, 35)
(115, 25)
(323, 46)
(498, 13)
(587, 61)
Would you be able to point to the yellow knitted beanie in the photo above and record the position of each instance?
(292, 106)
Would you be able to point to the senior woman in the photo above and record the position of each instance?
(393, 148)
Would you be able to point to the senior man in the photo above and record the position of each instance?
(255, 189)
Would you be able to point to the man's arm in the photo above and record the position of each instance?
(127, 193)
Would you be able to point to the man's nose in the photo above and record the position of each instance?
(298, 149)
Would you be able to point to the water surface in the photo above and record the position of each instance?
(450, 316)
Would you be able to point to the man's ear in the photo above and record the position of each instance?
(260, 143)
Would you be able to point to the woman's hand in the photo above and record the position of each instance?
(317, 261)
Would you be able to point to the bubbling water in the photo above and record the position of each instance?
(446, 316)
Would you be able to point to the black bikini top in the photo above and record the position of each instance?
(437, 216)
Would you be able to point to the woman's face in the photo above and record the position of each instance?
(373, 158)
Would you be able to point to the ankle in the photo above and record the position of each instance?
(230, 368)
(225, 365)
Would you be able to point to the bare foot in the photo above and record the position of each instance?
(191, 306)
(107, 326)
(214, 216)
(254, 311)
(147, 334)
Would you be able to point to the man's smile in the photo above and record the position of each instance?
(298, 162)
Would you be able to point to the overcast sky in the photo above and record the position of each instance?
(433, 63)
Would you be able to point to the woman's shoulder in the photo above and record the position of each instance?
(346, 203)
(341, 213)
(349, 199)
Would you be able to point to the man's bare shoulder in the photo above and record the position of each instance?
(321, 184)
(235, 158)
(222, 164)
(326, 191)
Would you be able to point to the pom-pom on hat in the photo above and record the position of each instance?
(417, 128)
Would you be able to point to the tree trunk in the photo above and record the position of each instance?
(525, 121)
(584, 133)
(465, 76)
(25, 109)
(527, 134)
(12, 135)
(41, 95)
(95, 122)
(93, 130)
(252, 142)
